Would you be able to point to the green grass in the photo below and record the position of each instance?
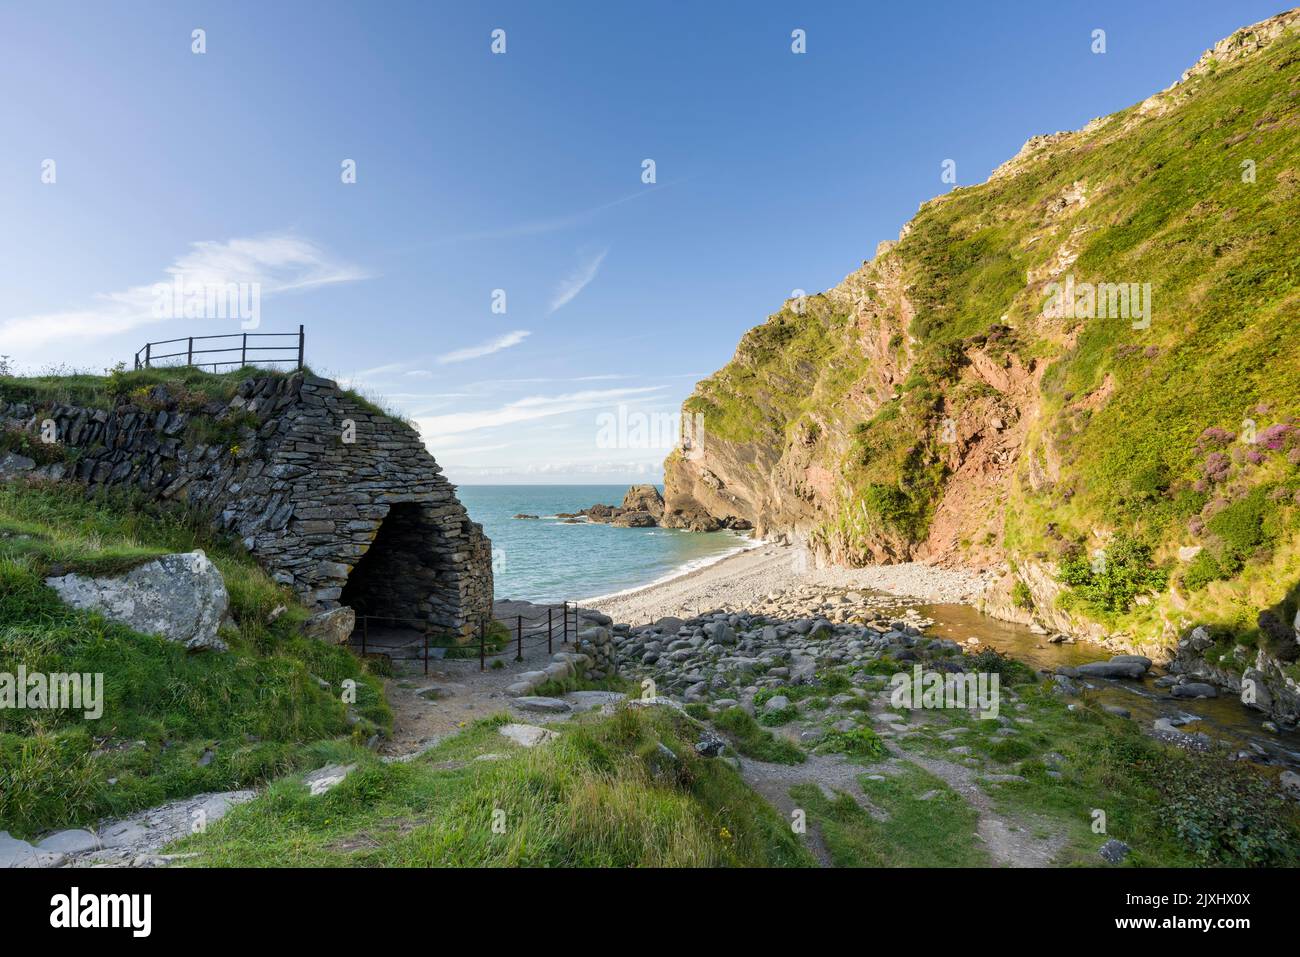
(257, 708)
(857, 743)
(938, 832)
(751, 740)
(193, 387)
(603, 795)
(1174, 808)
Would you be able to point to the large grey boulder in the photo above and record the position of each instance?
(526, 735)
(181, 597)
(326, 779)
(1112, 669)
(12, 464)
(334, 627)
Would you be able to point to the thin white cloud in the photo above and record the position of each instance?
(576, 281)
(277, 263)
(538, 227)
(485, 348)
(434, 428)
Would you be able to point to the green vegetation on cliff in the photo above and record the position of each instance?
(963, 406)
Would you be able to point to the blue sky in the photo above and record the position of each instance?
(520, 172)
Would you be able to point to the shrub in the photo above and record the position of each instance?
(1202, 570)
(860, 742)
(1110, 585)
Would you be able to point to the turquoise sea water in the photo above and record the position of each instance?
(547, 560)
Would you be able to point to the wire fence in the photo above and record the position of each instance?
(391, 638)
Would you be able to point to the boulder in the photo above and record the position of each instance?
(526, 735)
(12, 464)
(15, 852)
(69, 842)
(327, 778)
(1113, 851)
(1142, 660)
(1194, 689)
(181, 597)
(639, 519)
(721, 632)
(1112, 669)
(644, 498)
(542, 705)
(334, 627)
(710, 745)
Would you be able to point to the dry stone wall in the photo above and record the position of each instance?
(336, 500)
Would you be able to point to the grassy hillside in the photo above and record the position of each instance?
(604, 795)
(258, 709)
(1134, 441)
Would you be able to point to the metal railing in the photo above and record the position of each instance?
(147, 358)
(423, 648)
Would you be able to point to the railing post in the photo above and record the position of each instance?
(482, 642)
(519, 637)
(365, 633)
(426, 649)
(189, 352)
(549, 612)
(302, 340)
(148, 347)
(243, 352)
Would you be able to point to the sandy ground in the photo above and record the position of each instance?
(743, 580)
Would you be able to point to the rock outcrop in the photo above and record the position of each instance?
(181, 597)
(643, 507)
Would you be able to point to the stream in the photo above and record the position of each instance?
(1224, 719)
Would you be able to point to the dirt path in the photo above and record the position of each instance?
(456, 692)
(831, 773)
(1010, 842)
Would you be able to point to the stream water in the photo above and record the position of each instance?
(1223, 719)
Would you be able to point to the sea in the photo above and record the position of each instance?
(548, 560)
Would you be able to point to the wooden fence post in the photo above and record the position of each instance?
(482, 642)
(519, 637)
(302, 341)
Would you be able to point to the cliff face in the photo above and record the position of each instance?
(1079, 355)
